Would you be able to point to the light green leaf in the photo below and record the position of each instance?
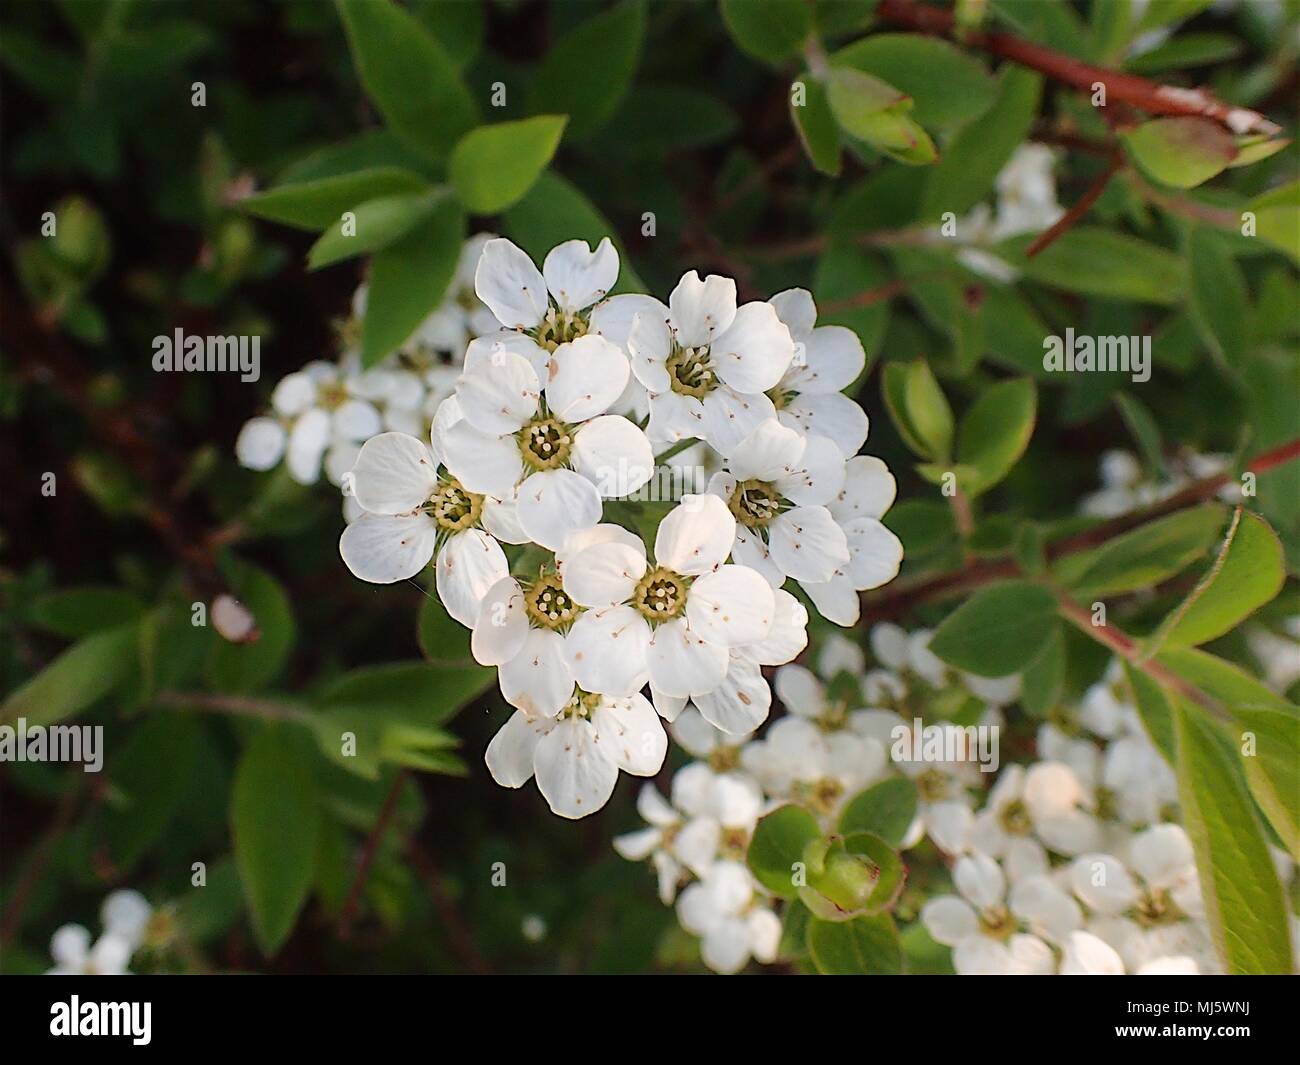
(1101, 262)
(1272, 766)
(1152, 553)
(1228, 683)
(770, 30)
(586, 73)
(1277, 217)
(886, 809)
(1043, 679)
(997, 631)
(1155, 710)
(275, 823)
(919, 408)
(408, 280)
(865, 945)
(778, 844)
(84, 673)
(376, 224)
(409, 75)
(815, 123)
(492, 167)
(1180, 152)
(1243, 899)
(996, 430)
(1186, 50)
(947, 86)
(1248, 572)
(1219, 298)
(321, 202)
(246, 667)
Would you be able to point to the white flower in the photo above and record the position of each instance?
(827, 360)
(553, 444)
(576, 754)
(671, 623)
(411, 512)
(1086, 955)
(776, 484)
(1165, 885)
(732, 922)
(707, 363)
(125, 917)
(1042, 806)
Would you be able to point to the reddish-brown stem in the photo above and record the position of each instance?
(1072, 217)
(348, 913)
(1138, 92)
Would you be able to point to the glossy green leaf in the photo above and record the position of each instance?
(320, 202)
(815, 123)
(865, 945)
(770, 30)
(493, 167)
(777, 846)
(374, 224)
(886, 809)
(1269, 741)
(80, 676)
(997, 631)
(1220, 301)
(1100, 262)
(919, 408)
(996, 430)
(246, 667)
(947, 85)
(1180, 152)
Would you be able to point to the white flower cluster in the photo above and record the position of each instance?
(1125, 488)
(322, 414)
(562, 408)
(125, 918)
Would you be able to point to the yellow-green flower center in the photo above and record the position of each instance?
(545, 443)
(453, 508)
(996, 922)
(548, 605)
(933, 785)
(1015, 818)
(690, 372)
(559, 327)
(660, 595)
(754, 503)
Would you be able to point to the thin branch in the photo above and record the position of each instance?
(236, 705)
(368, 852)
(1073, 216)
(1138, 92)
(1222, 217)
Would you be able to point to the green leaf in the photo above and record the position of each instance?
(321, 202)
(996, 430)
(1143, 428)
(864, 945)
(377, 224)
(493, 167)
(409, 76)
(1155, 710)
(1277, 218)
(658, 119)
(1100, 262)
(770, 30)
(1228, 683)
(408, 280)
(815, 123)
(275, 823)
(886, 809)
(443, 640)
(1043, 679)
(974, 157)
(419, 691)
(1248, 571)
(81, 675)
(586, 73)
(74, 612)
(778, 845)
(947, 86)
(919, 408)
(553, 212)
(877, 113)
(1219, 299)
(1186, 50)
(1273, 767)
(151, 775)
(246, 667)
(1180, 152)
(997, 631)
(851, 876)
(1152, 553)
(1243, 899)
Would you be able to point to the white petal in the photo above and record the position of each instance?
(605, 532)
(468, 565)
(509, 756)
(606, 650)
(538, 680)
(806, 544)
(701, 310)
(682, 663)
(674, 417)
(125, 913)
(70, 945)
(831, 415)
(554, 504)
(604, 574)
(574, 773)
(629, 732)
(356, 420)
(741, 702)
(869, 490)
(796, 309)
(832, 359)
(728, 416)
(731, 606)
(508, 282)
(577, 276)
(751, 550)
(696, 536)
(393, 474)
(615, 317)
(500, 395)
(800, 692)
(483, 463)
(586, 376)
(979, 878)
(500, 519)
(788, 635)
(817, 477)
(614, 454)
(638, 846)
(770, 452)
(725, 947)
(502, 626)
(648, 344)
(260, 443)
(1103, 883)
(484, 352)
(875, 554)
(949, 920)
(669, 707)
(654, 807)
(293, 394)
(1086, 955)
(382, 549)
(755, 350)
(308, 439)
(835, 600)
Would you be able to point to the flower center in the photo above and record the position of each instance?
(582, 704)
(690, 372)
(734, 843)
(933, 785)
(559, 327)
(996, 922)
(548, 605)
(1015, 818)
(724, 759)
(781, 397)
(660, 595)
(332, 396)
(822, 795)
(453, 508)
(544, 443)
(754, 503)
(1154, 907)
